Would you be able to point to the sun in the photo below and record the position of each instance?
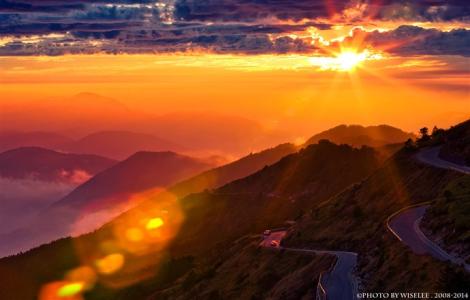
(349, 60)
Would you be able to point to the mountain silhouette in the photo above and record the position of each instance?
(120, 144)
(15, 139)
(48, 165)
(357, 135)
(103, 197)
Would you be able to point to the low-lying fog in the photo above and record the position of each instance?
(22, 199)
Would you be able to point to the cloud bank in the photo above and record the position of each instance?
(22, 199)
(57, 27)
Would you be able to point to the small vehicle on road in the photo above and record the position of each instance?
(274, 244)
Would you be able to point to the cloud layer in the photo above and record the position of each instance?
(57, 27)
(408, 40)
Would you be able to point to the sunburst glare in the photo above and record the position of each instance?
(347, 60)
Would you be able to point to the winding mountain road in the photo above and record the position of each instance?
(404, 224)
(431, 157)
(338, 283)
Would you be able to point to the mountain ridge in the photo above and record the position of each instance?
(358, 135)
(49, 165)
(120, 144)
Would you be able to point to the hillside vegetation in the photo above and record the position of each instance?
(336, 197)
(457, 144)
(246, 271)
(385, 264)
(213, 220)
(355, 221)
(222, 175)
(448, 219)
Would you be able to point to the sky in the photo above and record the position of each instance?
(296, 65)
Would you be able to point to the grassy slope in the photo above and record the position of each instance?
(457, 146)
(384, 263)
(246, 271)
(352, 220)
(243, 167)
(213, 221)
(449, 218)
(272, 196)
(21, 276)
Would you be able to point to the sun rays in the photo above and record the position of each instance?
(346, 60)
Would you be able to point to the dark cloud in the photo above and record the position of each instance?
(39, 6)
(403, 41)
(47, 28)
(58, 6)
(96, 18)
(215, 43)
(221, 26)
(255, 10)
(412, 40)
(423, 10)
(251, 10)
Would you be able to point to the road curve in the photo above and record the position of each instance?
(336, 284)
(339, 283)
(431, 157)
(404, 224)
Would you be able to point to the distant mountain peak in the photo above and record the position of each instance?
(141, 171)
(44, 164)
(120, 144)
(358, 135)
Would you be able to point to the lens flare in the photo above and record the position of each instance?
(61, 290)
(85, 275)
(134, 234)
(70, 290)
(154, 223)
(110, 263)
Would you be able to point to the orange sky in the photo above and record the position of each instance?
(288, 92)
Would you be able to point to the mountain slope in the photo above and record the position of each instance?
(47, 165)
(452, 207)
(385, 263)
(457, 144)
(273, 195)
(245, 271)
(138, 173)
(117, 189)
(101, 198)
(243, 167)
(120, 144)
(212, 221)
(33, 178)
(205, 250)
(351, 220)
(357, 135)
(266, 199)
